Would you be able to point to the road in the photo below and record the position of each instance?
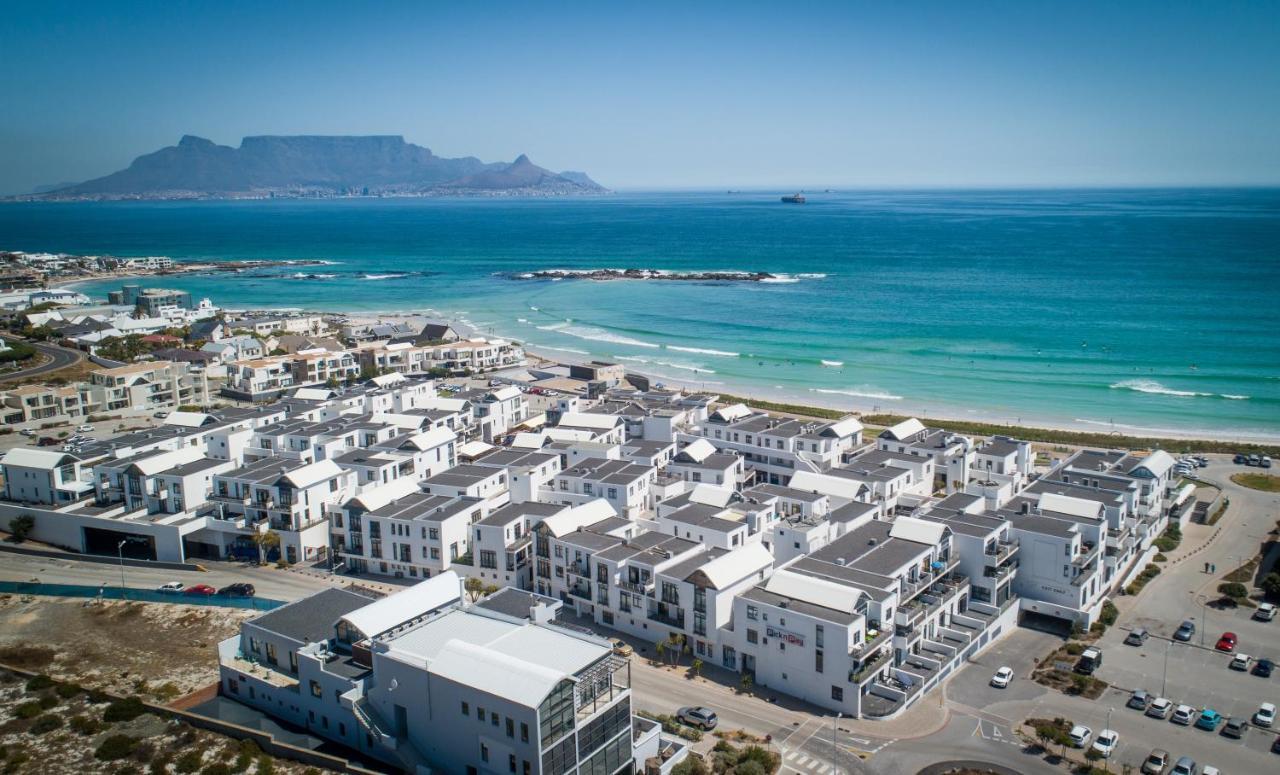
(59, 358)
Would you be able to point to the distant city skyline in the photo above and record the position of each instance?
(668, 96)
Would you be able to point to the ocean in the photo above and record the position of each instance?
(1128, 310)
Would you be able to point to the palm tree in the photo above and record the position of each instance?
(697, 666)
(660, 648)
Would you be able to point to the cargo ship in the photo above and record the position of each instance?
(795, 199)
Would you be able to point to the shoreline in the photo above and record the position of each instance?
(871, 405)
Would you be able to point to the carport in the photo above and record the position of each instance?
(1034, 620)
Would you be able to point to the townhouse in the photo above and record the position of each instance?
(398, 530)
(775, 449)
(953, 454)
(625, 486)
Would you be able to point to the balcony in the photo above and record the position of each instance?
(870, 642)
(582, 591)
(600, 684)
(868, 669)
(235, 500)
(644, 587)
(909, 615)
(580, 569)
(1001, 551)
(668, 615)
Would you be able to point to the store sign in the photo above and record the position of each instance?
(786, 635)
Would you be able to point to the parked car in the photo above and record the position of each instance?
(1183, 714)
(47, 441)
(1253, 460)
(1235, 728)
(1202, 461)
(1080, 735)
(160, 415)
(1136, 636)
(1240, 662)
(200, 590)
(1265, 612)
(1265, 462)
(1275, 745)
(239, 589)
(1159, 708)
(703, 718)
(1156, 762)
(1184, 766)
(1140, 700)
(1227, 642)
(1002, 678)
(1106, 742)
(1241, 459)
(1209, 719)
(621, 647)
(84, 429)
(1185, 631)
(1265, 715)
(27, 432)
(1209, 769)
(172, 588)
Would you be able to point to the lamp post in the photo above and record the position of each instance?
(1204, 617)
(1164, 677)
(120, 552)
(1108, 758)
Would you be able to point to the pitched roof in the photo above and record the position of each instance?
(312, 618)
(824, 484)
(921, 531)
(579, 516)
(407, 604)
(814, 590)
(1065, 504)
(732, 412)
(903, 430)
(28, 457)
(601, 422)
(737, 565)
(313, 473)
(698, 451)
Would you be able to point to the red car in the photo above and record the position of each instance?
(200, 590)
(1227, 642)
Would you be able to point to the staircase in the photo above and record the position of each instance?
(411, 759)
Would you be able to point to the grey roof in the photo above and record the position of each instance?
(702, 515)
(312, 619)
(851, 511)
(516, 602)
(512, 511)
(762, 595)
(1000, 446)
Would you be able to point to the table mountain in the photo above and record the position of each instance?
(309, 165)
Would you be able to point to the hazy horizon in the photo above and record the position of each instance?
(670, 97)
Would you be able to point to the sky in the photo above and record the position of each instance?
(660, 95)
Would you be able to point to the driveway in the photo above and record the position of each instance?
(58, 358)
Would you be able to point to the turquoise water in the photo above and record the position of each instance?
(1151, 310)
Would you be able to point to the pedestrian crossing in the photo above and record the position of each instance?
(803, 762)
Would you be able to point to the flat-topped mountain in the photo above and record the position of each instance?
(311, 165)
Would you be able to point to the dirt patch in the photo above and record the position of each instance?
(54, 727)
(156, 650)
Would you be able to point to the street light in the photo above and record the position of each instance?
(120, 551)
(1164, 678)
(1204, 617)
(1106, 761)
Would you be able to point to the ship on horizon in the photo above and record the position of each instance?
(795, 199)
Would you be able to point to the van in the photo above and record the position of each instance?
(1090, 660)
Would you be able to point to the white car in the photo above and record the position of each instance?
(172, 588)
(1209, 769)
(1002, 678)
(1240, 662)
(1159, 708)
(1266, 715)
(27, 432)
(1080, 735)
(1184, 715)
(1106, 742)
(84, 429)
(1265, 612)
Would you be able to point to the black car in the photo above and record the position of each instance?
(1263, 667)
(239, 589)
(1241, 459)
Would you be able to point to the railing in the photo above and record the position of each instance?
(641, 588)
(578, 569)
(1002, 551)
(242, 500)
(869, 669)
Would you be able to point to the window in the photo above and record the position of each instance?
(524, 732)
(837, 694)
(433, 533)
(493, 719)
(484, 753)
(753, 613)
(613, 493)
(511, 762)
(488, 559)
(466, 709)
(752, 636)
(480, 714)
(817, 660)
(316, 691)
(511, 728)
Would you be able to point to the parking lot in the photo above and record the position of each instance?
(1194, 676)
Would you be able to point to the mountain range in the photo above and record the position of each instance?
(318, 166)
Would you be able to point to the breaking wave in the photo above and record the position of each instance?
(868, 393)
(694, 367)
(703, 351)
(1154, 388)
(832, 363)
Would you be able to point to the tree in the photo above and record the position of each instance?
(1233, 589)
(1046, 734)
(697, 666)
(745, 682)
(1271, 585)
(474, 588)
(660, 648)
(266, 541)
(691, 765)
(21, 527)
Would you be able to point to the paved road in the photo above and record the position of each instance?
(59, 358)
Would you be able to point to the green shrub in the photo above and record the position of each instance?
(189, 761)
(46, 723)
(750, 768)
(115, 747)
(126, 709)
(67, 691)
(29, 709)
(266, 766)
(1233, 589)
(159, 765)
(38, 683)
(1075, 649)
(85, 725)
(217, 768)
(1109, 613)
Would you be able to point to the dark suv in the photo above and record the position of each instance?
(239, 589)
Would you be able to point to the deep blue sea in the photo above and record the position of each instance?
(1150, 310)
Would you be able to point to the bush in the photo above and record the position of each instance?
(1271, 585)
(29, 709)
(217, 768)
(46, 723)
(1109, 613)
(1233, 589)
(85, 725)
(266, 765)
(21, 527)
(115, 747)
(39, 683)
(1075, 649)
(126, 709)
(67, 691)
(189, 761)
(750, 768)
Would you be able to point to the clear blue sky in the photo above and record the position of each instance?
(657, 95)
